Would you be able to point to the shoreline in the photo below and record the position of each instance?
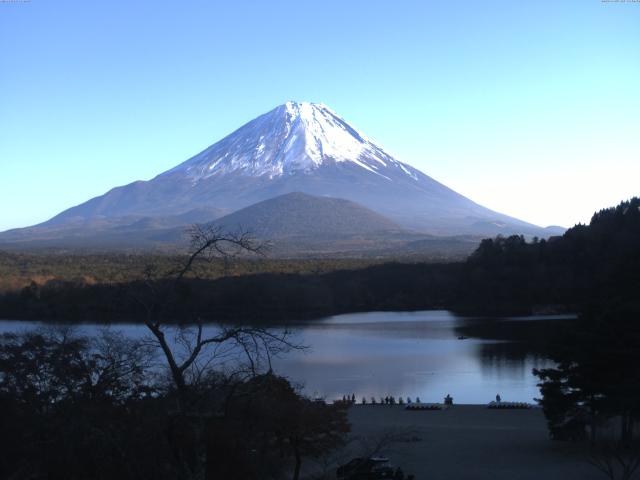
(474, 405)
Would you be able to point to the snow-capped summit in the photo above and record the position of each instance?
(294, 137)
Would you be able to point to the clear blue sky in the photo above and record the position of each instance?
(531, 107)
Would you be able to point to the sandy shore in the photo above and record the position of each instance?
(471, 442)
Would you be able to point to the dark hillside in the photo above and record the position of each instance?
(299, 214)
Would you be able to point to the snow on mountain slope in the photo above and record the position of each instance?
(291, 138)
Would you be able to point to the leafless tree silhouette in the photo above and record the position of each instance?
(195, 349)
(616, 460)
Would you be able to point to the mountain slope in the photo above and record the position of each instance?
(100, 232)
(296, 147)
(293, 225)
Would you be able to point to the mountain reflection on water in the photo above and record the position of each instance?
(408, 354)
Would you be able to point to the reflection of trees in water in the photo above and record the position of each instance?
(533, 331)
(510, 351)
(511, 359)
(519, 344)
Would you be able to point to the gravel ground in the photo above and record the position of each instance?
(469, 442)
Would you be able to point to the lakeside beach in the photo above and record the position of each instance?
(471, 442)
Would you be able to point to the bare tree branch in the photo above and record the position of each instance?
(209, 242)
(258, 345)
(616, 460)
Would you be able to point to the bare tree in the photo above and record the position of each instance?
(200, 346)
(385, 442)
(616, 460)
(359, 449)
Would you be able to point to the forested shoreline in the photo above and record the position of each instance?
(503, 276)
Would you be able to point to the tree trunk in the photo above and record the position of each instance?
(298, 457)
(176, 372)
(626, 431)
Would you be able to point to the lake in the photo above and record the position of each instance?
(408, 354)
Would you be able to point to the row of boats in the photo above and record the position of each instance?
(492, 405)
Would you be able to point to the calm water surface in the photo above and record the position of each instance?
(395, 353)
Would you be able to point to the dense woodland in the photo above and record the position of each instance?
(19, 270)
(596, 383)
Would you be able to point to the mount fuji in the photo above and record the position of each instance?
(296, 147)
